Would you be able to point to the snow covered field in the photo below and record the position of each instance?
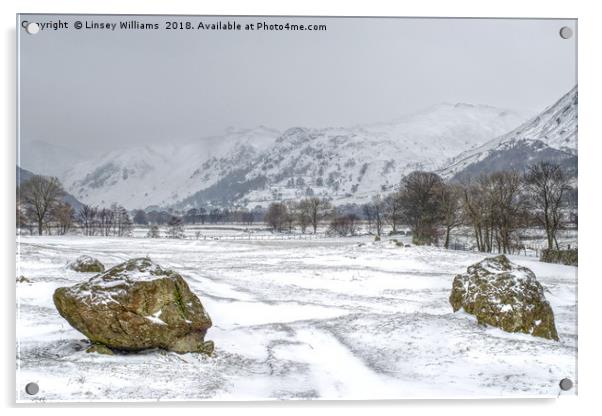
(295, 319)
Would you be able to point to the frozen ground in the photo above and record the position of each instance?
(295, 319)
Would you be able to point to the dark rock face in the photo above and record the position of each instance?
(134, 306)
(503, 294)
(86, 264)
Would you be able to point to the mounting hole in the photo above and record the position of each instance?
(32, 389)
(566, 32)
(566, 384)
(32, 28)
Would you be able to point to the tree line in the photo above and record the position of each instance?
(41, 209)
(200, 216)
(39, 204)
(494, 206)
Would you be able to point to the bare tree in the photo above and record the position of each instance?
(302, 214)
(421, 206)
(175, 227)
(317, 209)
(475, 212)
(122, 223)
(41, 194)
(547, 183)
(105, 221)
(375, 211)
(87, 217)
(495, 206)
(276, 216)
(393, 210)
(508, 208)
(64, 215)
(289, 219)
(344, 225)
(21, 216)
(450, 196)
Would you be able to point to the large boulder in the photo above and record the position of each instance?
(134, 306)
(503, 294)
(86, 264)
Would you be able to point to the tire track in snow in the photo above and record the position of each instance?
(336, 372)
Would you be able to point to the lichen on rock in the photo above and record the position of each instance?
(502, 294)
(86, 264)
(137, 305)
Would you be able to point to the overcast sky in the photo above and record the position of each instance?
(105, 89)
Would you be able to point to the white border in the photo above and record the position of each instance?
(590, 137)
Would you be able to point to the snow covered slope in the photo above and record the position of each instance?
(551, 136)
(353, 164)
(256, 166)
(165, 173)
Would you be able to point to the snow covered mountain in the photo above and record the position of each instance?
(165, 173)
(256, 166)
(353, 164)
(550, 136)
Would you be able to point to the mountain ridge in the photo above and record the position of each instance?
(255, 166)
(553, 131)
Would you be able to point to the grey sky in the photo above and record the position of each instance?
(104, 89)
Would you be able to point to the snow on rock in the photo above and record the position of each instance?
(137, 305)
(86, 264)
(503, 294)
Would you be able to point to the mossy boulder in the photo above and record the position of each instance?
(506, 295)
(86, 264)
(136, 305)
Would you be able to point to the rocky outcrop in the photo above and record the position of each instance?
(503, 294)
(134, 306)
(86, 264)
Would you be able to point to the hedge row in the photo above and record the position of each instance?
(568, 257)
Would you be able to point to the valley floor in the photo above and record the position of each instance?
(327, 318)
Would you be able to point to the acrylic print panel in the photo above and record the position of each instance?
(252, 208)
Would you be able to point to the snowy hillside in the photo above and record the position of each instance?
(551, 135)
(353, 164)
(165, 173)
(443, 129)
(255, 166)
